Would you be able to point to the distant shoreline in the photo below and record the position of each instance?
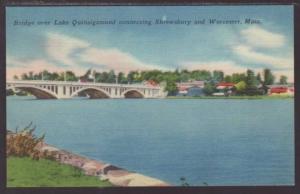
(274, 97)
(233, 97)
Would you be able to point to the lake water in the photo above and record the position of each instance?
(218, 142)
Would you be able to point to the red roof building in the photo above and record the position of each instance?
(184, 86)
(187, 85)
(278, 90)
(151, 83)
(223, 85)
(281, 89)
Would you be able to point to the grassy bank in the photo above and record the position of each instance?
(232, 97)
(25, 172)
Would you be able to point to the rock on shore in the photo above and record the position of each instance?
(117, 176)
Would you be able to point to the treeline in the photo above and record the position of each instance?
(248, 80)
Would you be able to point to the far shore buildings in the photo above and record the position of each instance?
(281, 89)
(190, 88)
(224, 85)
(224, 88)
(195, 88)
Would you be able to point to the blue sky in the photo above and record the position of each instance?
(227, 47)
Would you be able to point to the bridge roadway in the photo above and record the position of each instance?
(66, 90)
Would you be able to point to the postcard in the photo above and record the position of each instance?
(150, 96)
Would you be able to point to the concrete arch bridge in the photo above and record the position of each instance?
(66, 90)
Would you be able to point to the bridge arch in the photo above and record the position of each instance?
(93, 92)
(40, 93)
(133, 93)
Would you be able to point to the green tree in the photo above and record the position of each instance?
(218, 75)
(251, 80)
(30, 75)
(111, 78)
(9, 92)
(15, 77)
(103, 77)
(184, 75)
(70, 76)
(37, 76)
(237, 77)
(61, 76)
(240, 87)
(258, 78)
(168, 75)
(130, 76)
(171, 88)
(269, 78)
(200, 75)
(133, 76)
(45, 75)
(54, 76)
(228, 78)
(121, 78)
(283, 80)
(155, 75)
(209, 88)
(24, 76)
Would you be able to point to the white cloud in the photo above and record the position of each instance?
(251, 39)
(261, 38)
(18, 67)
(12, 61)
(60, 47)
(76, 54)
(228, 67)
(246, 53)
(256, 37)
(114, 59)
(36, 65)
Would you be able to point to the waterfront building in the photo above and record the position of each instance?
(223, 85)
(191, 88)
(224, 88)
(281, 89)
(150, 83)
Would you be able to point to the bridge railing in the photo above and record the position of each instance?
(48, 82)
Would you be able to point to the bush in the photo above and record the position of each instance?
(253, 91)
(240, 87)
(10, 92)
(24, 143)
(209, 88)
